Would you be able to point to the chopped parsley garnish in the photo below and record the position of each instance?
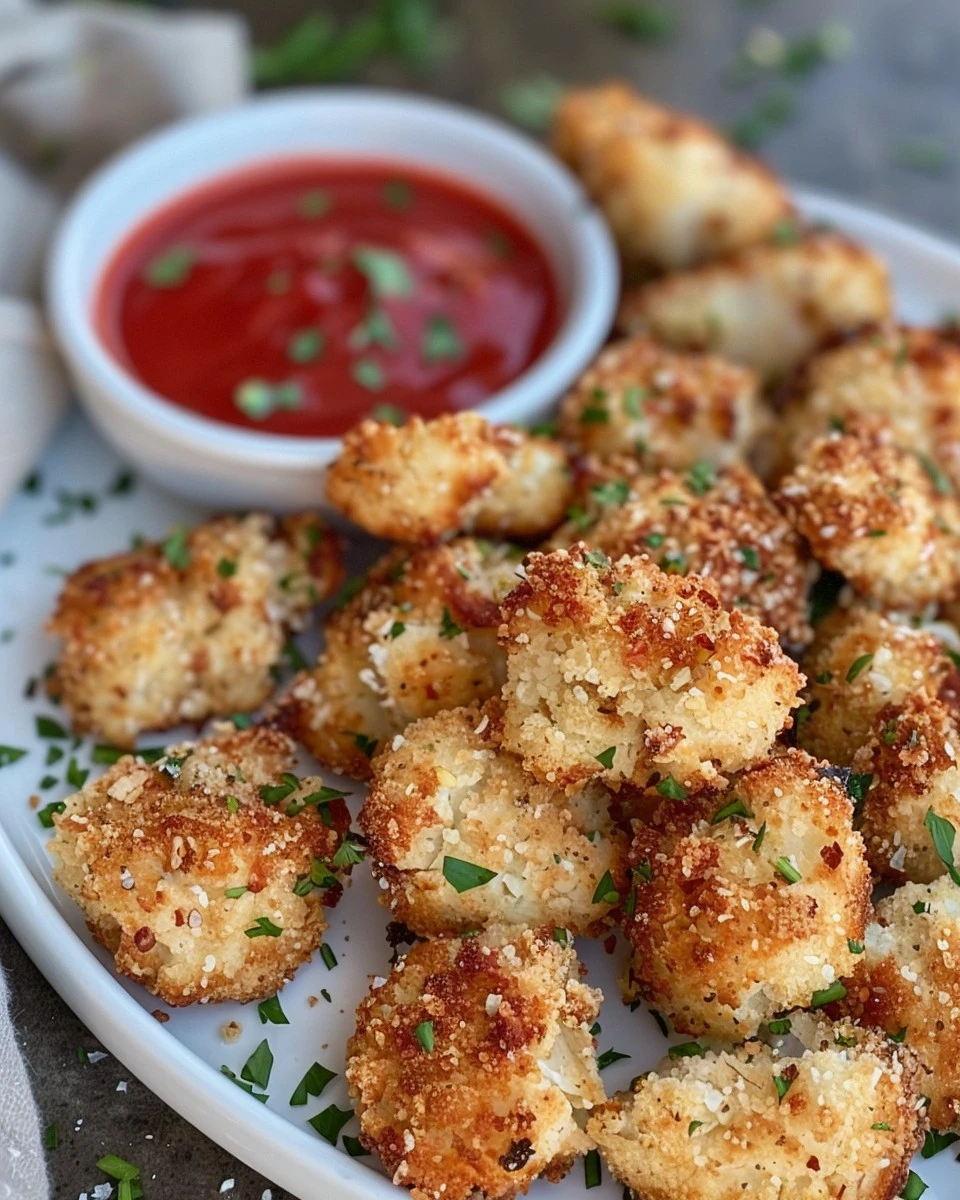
(561, 936)
(274, 793)
(941, 483)
(51, 1137)
(315, 203)
(123, 483)
(749, 557)
(10, 754)
(329, 1122)
(640, 19)
(921, 907)
(107, 755)
(366, 745)
(241, 720)
(348, 852)
(596, 558)
(935, 1141)
(257, 1068)
(125, 1173)
(857, 666)
(424, 1035)
(687, 1050)
(48, 781)
(701, 478)
(397, 194)
(54, 754)
(547, 429)
(449, 629)
(47, 727)
(396, 629)
(857, 787)
(854, 947)
(914, 1188)
(922, 152)
(294, 655)
(532, 102)
(828, 995)
(671, 789)
(885, 1125)
(735, 808)
(440, 341)
(234, 893)
(591, 1169)
(780, 1026)
(227, 567)
(608, 1057)
(319, 878)
(176, 550)
(393, 416)
(786, 868)
(305, 346)
(46, 814)
(263, 927)
(242, 1083)
(328, 956)
(655, 540)
(270, 1011)
(633, 399)
(312, 1084)
(258, 399)
(783, 1083)
(353, 1146)
(376, 329)
(770, 114)
(76, 776)
(171, 268)
(616, 491)
(605, 892)
(605, 757)
(369, 374)
(824, 595)
(899, 1037)
(465, 876)
(943, 834)
(387, 272)
(693, 1127)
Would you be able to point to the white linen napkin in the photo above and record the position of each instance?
(77, 82)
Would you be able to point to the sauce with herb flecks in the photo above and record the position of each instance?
(302, 295)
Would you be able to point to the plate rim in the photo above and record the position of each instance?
(263, 1139)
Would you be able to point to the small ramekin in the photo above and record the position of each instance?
(225, 466)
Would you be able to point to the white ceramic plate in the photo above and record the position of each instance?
(181, 1060)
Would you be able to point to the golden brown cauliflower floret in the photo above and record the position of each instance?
(879, 514)
(861, 661)
(622, 672)
(768, 306)
(719, 525)
(461, 836)
(911, 760)
(204, 874)
(674, 190)
(189, 628)
(668, 409)
(428, 479)
(908, 377)
(419, 637)
(472, 1061)
(746, 900)
(838, 1121)
(909, 986)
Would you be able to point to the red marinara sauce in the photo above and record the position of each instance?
(303, 295)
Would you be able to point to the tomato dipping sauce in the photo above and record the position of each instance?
(303, 295)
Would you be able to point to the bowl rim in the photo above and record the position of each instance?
(587, 322)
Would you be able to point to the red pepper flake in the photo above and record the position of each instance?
(832, 856)
(813, 1163)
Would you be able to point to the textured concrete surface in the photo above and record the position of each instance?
(900, 81)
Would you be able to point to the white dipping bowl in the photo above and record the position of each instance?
(229, 467)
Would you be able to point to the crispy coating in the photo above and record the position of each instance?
(489, 1103)
(861, 661)
(911, 758)
(151, 854)
(673, 189)
(152, 639)
(428, 479)
(908, 377)
(717, 1128)
(768, 306)
(879, 514)
(622, 672)
(447, 789)
(668, 409)
(731, 926)
(719, 525)
(909, 985)
(420, 636)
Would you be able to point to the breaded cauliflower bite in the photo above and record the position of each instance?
(747, 901)
(910, 378)
(838, 1121)
(859, 662)
(911, 761)
(768, 306)
(668, 409)
(909, 986)
(428, 479)
(189, 628)
(420, 636)
(472, 1065)
(206, 873)
(461, 836)
(879, 514)
(621, 672)
(674, 190)
(719, 525)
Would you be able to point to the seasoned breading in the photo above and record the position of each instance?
(879, 514)
(428, 479)
(204, 874)
(668, 409)
(472, 1061)
(720, 525)
(838, 1121)
(768, 306)
(673, 189)
(447, 793)
(187, 629)
(911, 761)
(621, 672)
(746, 901)
(909, 986)
(861, 661)
(420, 636)
(908, 377)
